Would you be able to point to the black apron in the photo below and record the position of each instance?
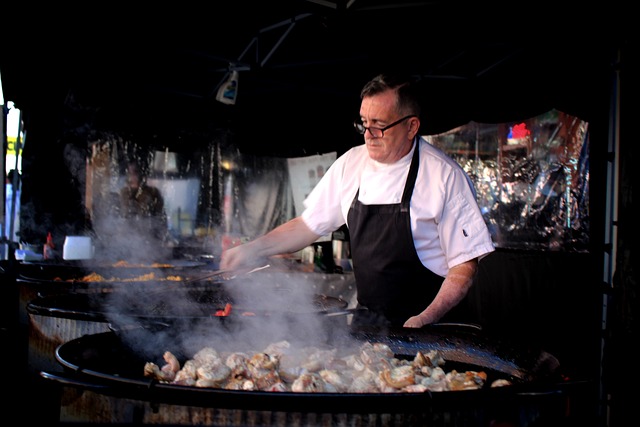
(391, 281)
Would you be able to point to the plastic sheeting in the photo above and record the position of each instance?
(531, 179)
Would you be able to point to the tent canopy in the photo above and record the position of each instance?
(301, 64)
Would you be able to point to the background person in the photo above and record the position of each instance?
(416, 232)
(142, 205)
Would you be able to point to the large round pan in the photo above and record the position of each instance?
(112, 363)
(167, 305)
(90, 271)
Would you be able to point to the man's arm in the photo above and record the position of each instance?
(286, 238)
(453, 290)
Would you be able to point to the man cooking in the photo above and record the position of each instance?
(416, 232)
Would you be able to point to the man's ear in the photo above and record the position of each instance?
(415, 126)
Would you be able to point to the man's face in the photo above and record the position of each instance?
(379, 111)
(133, 177)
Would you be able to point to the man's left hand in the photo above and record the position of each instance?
(414, 322)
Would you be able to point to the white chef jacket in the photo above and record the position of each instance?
(443, 205)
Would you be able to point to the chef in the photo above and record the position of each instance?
(416, 231)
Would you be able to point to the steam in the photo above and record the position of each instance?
(267, 307)
(119, 239)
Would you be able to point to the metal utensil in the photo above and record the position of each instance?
(223, 272)
(207, 276)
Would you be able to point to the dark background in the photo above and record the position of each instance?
(151, 76)
(302, 63)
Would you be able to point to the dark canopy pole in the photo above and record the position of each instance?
(610, 229)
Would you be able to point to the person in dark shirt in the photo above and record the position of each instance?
(143, 204)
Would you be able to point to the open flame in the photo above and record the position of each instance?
(225, 312)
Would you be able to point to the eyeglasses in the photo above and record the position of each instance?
(378, 132)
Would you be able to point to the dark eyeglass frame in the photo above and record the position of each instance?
(361, 129)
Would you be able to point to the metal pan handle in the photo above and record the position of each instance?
(69, 380)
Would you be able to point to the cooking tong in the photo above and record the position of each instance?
(223, 274)
(217, 273)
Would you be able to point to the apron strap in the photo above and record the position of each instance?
(411, 177)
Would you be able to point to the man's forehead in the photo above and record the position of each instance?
(376, 108)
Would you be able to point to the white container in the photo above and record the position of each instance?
(78, 247)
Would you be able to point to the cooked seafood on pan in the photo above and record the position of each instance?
(123, 263)
(95, 277)
(373, 368)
